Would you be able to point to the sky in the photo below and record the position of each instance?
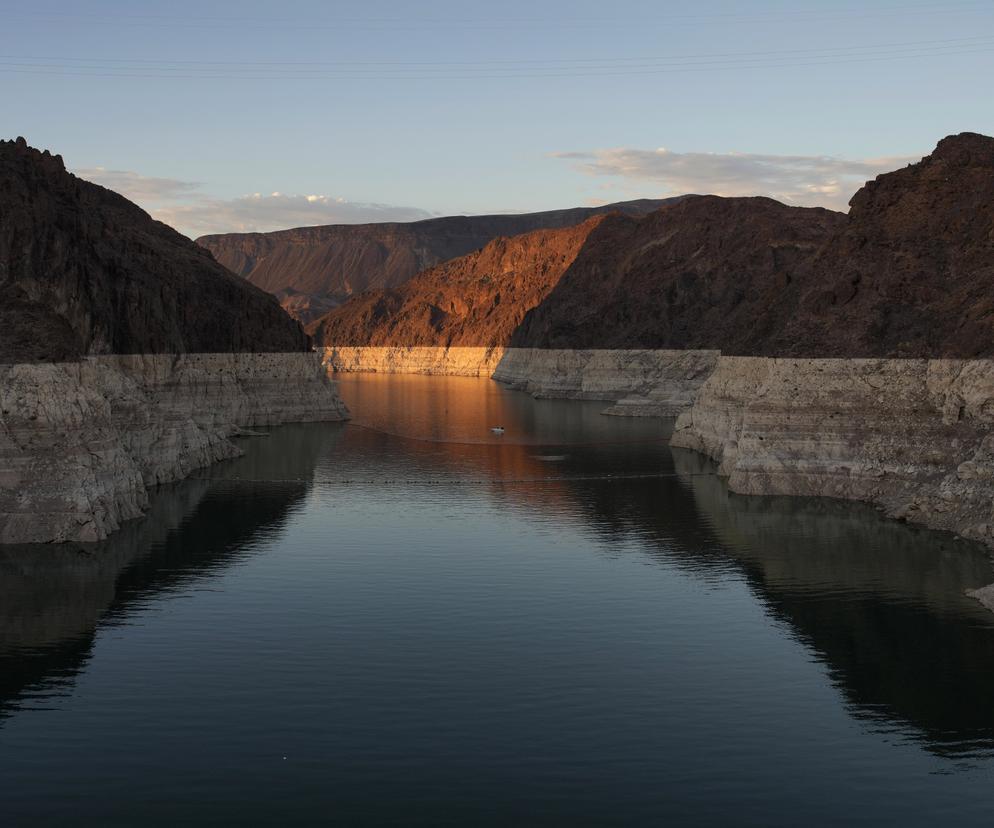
(244, 116)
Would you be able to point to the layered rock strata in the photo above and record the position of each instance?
(638, 382)
(81, 443)
(128, 355)
(414, 359)
(915, 437)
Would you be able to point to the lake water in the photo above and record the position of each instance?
(409, 620)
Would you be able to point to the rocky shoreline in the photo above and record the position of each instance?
(83, 442)
(912, 436)
(638, 382)
(413, 359)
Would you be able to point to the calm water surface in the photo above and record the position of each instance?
(408, 620)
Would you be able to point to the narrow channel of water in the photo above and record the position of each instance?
(411, 620)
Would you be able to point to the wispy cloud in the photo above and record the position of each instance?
(258, 213)
(807, 180)
(141, 189)
(183, 205)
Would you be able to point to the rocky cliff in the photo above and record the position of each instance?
(83, 443)
(913, 436)
(312, 267)
(910, 273)
(657, 383)
(85, 271)
(705, 272)
(413, 359)
(476, 300)
(640, 383)
(128, 356)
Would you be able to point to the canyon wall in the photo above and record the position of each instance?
(314, 269)
(85, 271)
(914, 436)
(414, 359)
(128, 355)
(639, 382)
(82, 442)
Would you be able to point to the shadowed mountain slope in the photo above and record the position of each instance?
(707, 272)
(911, 273)
(85, 271)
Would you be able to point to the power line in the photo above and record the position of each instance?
(502, 22)
(679, 59)
(506, 73)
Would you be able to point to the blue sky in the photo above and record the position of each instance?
(358, 111)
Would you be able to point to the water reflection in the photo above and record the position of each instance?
(409, 598)
(881, 603)
(52, 597)
(455, 410)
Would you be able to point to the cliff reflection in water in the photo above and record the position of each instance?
(881, 603)
(53, 598)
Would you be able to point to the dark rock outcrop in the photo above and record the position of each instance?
(310, 265)
(706, 272)
(85, 271)
(911, 273)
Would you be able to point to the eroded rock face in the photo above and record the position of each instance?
(85, 271)
(82, 442)
(335, 262)
(188, 354)
(305, 307)
(646, 383)
(640, 382)
(451, 362)
(915, 437)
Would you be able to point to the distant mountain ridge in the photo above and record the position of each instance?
(909, 272)
(692, 274)
(313, 268)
